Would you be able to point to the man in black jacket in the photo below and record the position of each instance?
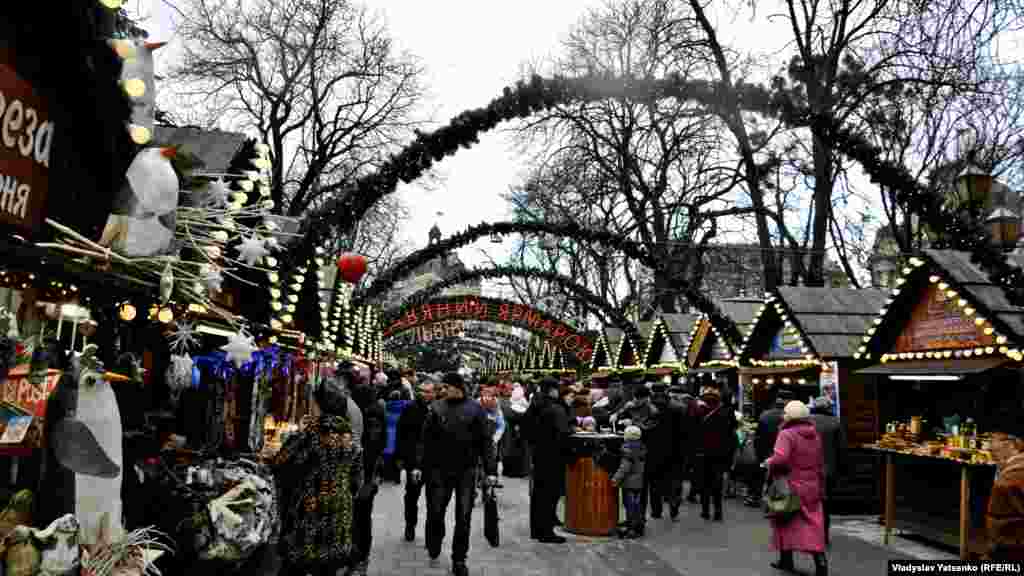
(456, 439)
(664, 450)
(374, 439)
(549, 424)
(409, 451)
(833, 444)
(764, 442)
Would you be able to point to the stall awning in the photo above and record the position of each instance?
(710, 369)
(769, 370)
(952, 367)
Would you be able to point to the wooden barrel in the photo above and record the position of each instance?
(591, 502)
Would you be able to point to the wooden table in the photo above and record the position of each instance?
(591, 502)
(966, 468)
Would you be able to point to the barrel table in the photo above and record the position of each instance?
(591, 502)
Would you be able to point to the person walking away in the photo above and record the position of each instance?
(630, 476)
(764, 442)
(798, 457)
(833, 444)
(716, 442)
(394, 406)
(680, 401)
(550, 435)
(374, 436)
(409, 451)
(316, 532)
(1005, 516)
(664, 452)
(456, 439)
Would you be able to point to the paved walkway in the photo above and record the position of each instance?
(688, 547)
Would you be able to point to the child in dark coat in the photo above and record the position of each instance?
(630, 476)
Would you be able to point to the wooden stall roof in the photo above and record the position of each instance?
(960, 268)
(833, 319)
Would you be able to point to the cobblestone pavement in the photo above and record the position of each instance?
(688, 547)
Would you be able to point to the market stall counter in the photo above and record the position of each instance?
(591, 501)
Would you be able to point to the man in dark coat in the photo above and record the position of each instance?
(833, 444)
(374, 438)
(664, 446)
(456, 440)
(550, 434)
(715, 445)
(764, 442)
(409, 451)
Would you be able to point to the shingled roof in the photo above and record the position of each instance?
(834, 319)
(964, 272)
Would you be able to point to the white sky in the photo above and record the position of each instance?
(470, 52)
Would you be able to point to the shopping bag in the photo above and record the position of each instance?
(491, 516)
(780, 502)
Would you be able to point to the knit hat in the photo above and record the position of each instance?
(795, 410)
(633, 433)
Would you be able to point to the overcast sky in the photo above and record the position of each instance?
(471, 50)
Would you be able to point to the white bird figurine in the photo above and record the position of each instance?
(142, 223)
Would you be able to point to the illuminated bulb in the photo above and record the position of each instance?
(990, 350)
(871, 331)
(165, 315)
(273, 277)
(947, 354)
(287, 318)
(989, 330)
(220, 236)
(293, 298)
(895, 291)
(127, 312)
(112, 4)
(907, 271)
(134, 87)
(1000, 339)
(139, 134)
(943, 286)
(240, 197)
(245, 185)
(933, 279)
(270, 261)
(276, 324)
(979, 321)
(275, 306)
(901, 281)
(961, 302)
(878, 321)
(950, 294)
(969, 311)
(290, 307)
(275, 293)
(296, 287)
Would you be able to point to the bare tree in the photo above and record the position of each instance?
(657, 172)
(318, 80)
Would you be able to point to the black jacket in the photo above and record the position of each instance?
(409, 439)
(767, 431)
(456, 439)
(665, 440)
(374, 438)
(833, 444)
(550, 432)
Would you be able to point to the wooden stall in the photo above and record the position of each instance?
(806, 340)
(666, 346)
(707, 352)
(948, 369)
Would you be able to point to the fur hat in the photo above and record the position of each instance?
(795, 410)
(633, 433)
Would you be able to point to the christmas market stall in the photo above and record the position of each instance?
(666, 346)
(706, 353)
(806, 341)
(946, 347)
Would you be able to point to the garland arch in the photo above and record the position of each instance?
(420, 312)
(340, 213)
(472, 333)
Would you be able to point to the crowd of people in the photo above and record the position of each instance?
(451, 438)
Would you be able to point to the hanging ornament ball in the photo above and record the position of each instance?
(140, 134)
(352, 267)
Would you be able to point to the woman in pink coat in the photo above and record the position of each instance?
(799, 458)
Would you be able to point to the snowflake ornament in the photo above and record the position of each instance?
(240, 348)
(252, 249)
(184, 338)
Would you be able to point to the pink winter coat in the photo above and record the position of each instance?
(799, 458)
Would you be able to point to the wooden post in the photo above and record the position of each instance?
(890, 497)
(965, 510)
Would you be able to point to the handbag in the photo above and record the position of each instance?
(780, 502)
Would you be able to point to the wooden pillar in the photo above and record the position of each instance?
(890, 497)
(965, 510)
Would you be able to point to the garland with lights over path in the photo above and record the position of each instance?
(341, 213)
(423, 296)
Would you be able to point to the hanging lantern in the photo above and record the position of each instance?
(352, 267)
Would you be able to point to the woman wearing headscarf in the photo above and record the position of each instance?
(798, 457)
(319, 469)
(1005, 517)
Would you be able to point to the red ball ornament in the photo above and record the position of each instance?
(352, 267)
